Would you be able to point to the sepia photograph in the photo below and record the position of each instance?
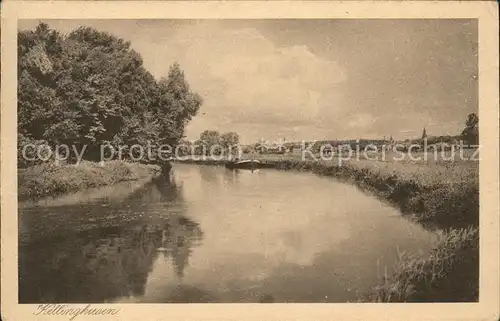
(248, 160)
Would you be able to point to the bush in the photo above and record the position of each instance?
(49, 179)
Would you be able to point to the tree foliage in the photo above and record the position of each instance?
(470, 134)
(230, 139)
(210, 140)
(90, 88)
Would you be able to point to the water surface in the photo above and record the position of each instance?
(209, 234)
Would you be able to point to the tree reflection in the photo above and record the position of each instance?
(231, 177)
(179, 236)
(209, 174)
(169, 189)
(160, 189)
(106, 263)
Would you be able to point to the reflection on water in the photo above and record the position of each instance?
(208, 234)
(103, 264)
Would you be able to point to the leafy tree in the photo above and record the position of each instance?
(200, 147)
(230, 139)
(184, 147)
(210, 139)
(176, 106)
(470, 134)
(90, 88)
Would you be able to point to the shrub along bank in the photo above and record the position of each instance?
(49, 179)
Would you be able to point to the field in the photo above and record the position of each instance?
(467, 156)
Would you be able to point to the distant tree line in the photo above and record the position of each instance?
(211, 142)
(90, 88)
(469, 136)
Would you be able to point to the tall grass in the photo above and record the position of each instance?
(50, 179)
(449, 274)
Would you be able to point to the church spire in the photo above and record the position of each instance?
(424, 134)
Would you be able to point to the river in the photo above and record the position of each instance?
(209, 234)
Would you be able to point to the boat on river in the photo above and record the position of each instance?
(244, 164)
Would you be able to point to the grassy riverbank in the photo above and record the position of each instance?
(50, 179)
(443, 196)
(449, 274)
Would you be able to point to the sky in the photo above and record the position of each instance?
(314, 79)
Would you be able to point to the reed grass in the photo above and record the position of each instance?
(449, 274)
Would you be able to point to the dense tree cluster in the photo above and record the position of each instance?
(211, 141)
(470, 134)
(90, 88)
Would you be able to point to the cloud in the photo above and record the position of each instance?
(361, 121)
(244, 77)
(314, 79)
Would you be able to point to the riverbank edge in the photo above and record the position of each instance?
(451, 272)
(49, 179)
